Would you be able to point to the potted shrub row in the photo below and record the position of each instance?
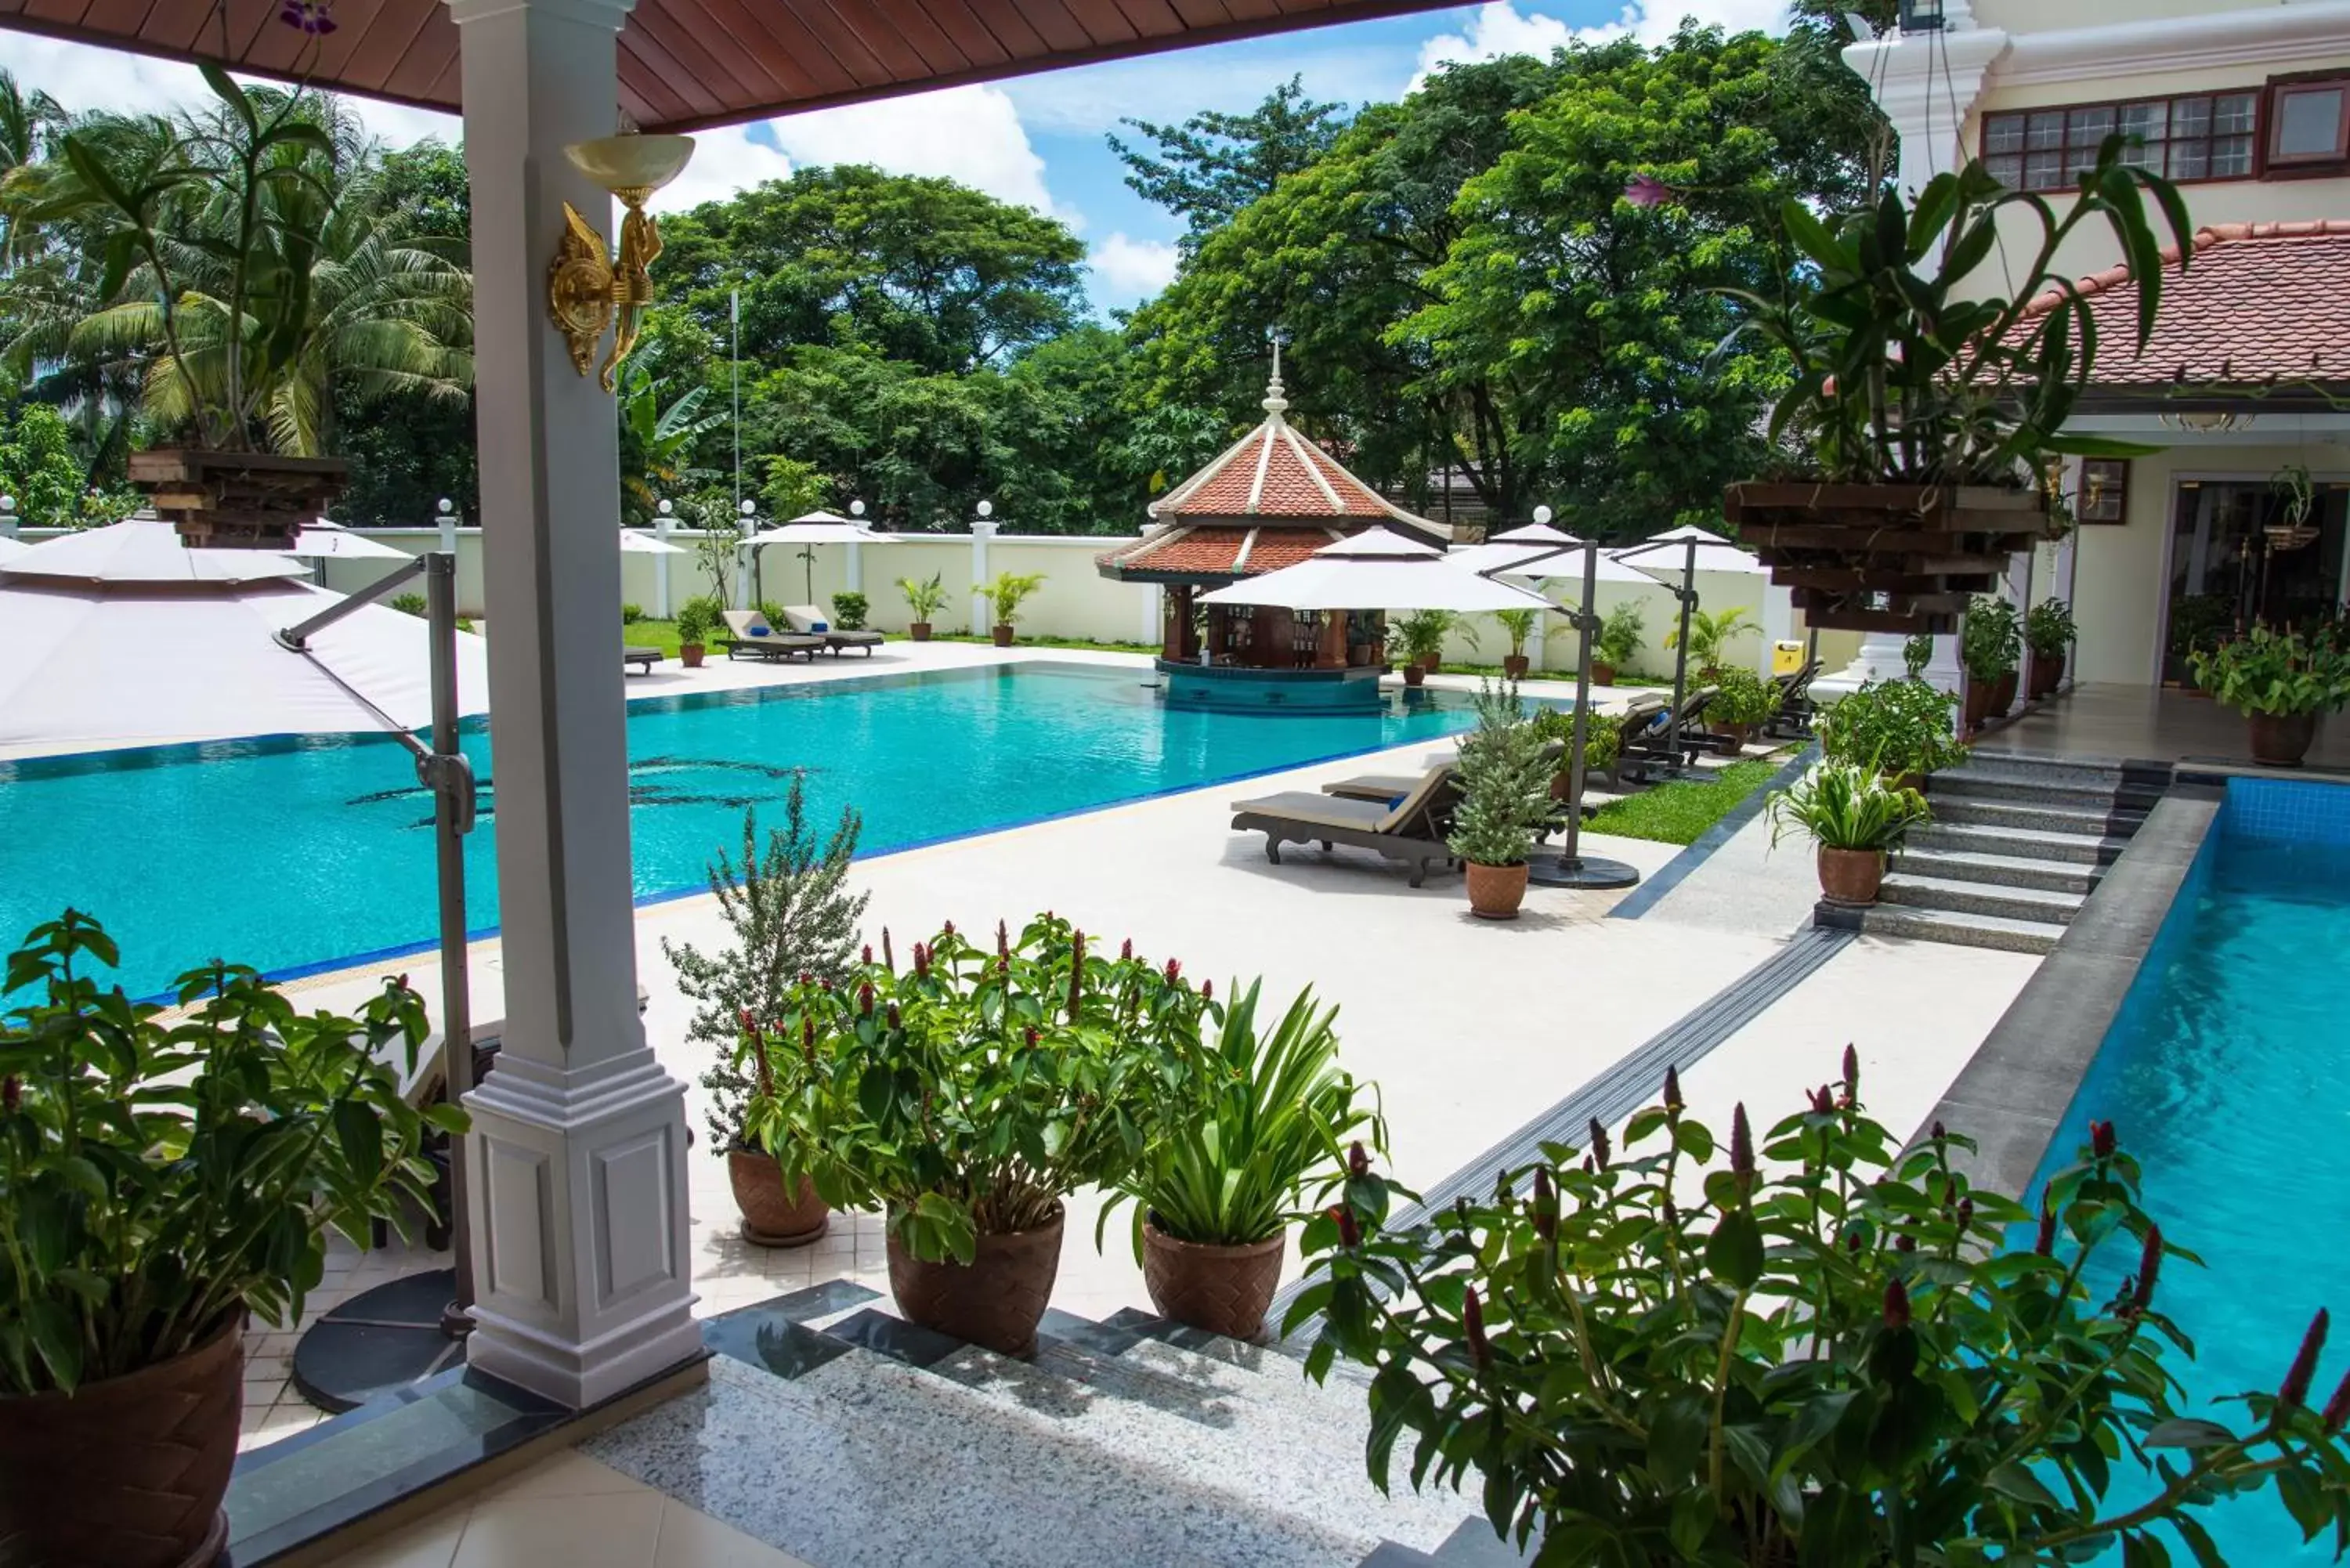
(699, 619)
(1991, 646)
(2048, 633)
(1743, 702)
(1618, 642)
(161, 1180)
(2281, 681)
(1810, 1342)
(925, 596)
(968, 1092)
(1006, 595)
(1899, 728)
(1854, 817)
(1416, 642)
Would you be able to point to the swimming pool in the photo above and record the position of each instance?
(288, 854)
(2227, 1072)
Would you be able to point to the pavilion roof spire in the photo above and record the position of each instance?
(1274, 402)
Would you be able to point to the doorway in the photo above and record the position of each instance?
(2236, 557)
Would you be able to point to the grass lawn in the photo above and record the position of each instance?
(1679, 812)
(660, 634)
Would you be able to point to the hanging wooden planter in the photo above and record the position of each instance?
(237, 500)
(1899, 558)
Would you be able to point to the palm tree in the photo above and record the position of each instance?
(1709, 633)
(656, 439)
(27, 125)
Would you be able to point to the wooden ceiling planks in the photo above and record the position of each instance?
(686, 64)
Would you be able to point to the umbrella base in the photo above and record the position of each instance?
(380, 1342)
(1584, 873)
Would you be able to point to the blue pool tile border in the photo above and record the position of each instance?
(2297, 811)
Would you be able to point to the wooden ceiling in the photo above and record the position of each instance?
(689, 64)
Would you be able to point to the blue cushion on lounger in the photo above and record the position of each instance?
(759, 631)
(818, 626)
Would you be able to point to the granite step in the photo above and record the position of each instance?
(2086, 795)
(867, 1462)
(2060, 772)
(1965, 930)
(1996, 870)
(2116, 822)
(1911, 889)
(2094, 849)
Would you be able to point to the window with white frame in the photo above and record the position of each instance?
(2199, 136)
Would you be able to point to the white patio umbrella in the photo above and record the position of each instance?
(124, 659)
(147, 550)
(11, 548)
(1668, 553)
(1568, 568)
(324, 541)
(1378, 570)
(810, 529)
(637, 542)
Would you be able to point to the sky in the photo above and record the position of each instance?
(1037, 141)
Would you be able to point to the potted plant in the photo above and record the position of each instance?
(793, 921)
(1618, 642)
(1900, 728)
(1518, 626)
(216, 235)
(1252, 1122)
(2280, 682)
(1506, 803)
(158, 1181)
(1854, 817)
(1708, 633)
(2048, 632)
(1991, 646)
(1007, 593)
(1603, 743)
(1937, 351)
(1811, 1346)
(698, 620)
(1418, 640)
(849, 611)
(1916, 652)
(973, 1090)
(925, 596)
(1743, 703)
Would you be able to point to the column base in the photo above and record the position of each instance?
(580, 1232)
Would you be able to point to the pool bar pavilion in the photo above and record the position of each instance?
(1269, 501)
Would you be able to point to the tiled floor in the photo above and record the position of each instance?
(569, 1511)
(2148, 723)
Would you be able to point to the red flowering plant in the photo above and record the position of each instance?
(1821, 1354)
(970, 1090)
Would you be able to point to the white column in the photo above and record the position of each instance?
(578, 1196)
(1154, 613)
(856, 567)
(663, 526)
(1778, 622)
(982, 618)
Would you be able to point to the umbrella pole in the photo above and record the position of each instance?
(452, 818)
(1571, 869)
(1686, 593)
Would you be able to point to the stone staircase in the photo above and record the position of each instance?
(850, 1438)
(2018, 842)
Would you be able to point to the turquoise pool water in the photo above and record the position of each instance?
(2227, 1072)
(292, 853)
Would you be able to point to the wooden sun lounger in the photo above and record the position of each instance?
(753, 636)
(804, 619)
(1411, 831)
(644, 658)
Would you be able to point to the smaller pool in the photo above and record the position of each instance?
(294, 853)
(2227, 1072)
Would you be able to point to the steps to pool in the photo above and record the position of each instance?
(850, 1438)
(2017, 844)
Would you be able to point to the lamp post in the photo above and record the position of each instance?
(1573, 869)
(8, 516)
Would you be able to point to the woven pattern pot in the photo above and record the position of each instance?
(1224, 1290)
(1850, 876)
(995, 1301)
(1496, 891)
(2280, 740)
(128, 1472)
(771, 1215)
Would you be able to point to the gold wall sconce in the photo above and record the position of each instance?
(585, 290)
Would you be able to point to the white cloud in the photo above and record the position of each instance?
(969, 133)
(1499, 28)
(1130, 269)
(724, 161)
(1087, 101)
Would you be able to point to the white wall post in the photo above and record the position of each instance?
(983, 616)
(664, 526)
(856, 567)
(578, 1196)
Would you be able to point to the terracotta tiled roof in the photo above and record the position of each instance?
(1219, 552)
(1276, 473)
(2260, 303)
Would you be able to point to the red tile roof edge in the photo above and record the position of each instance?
(2205, 238)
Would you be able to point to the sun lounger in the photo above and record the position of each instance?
(644, 658)
(1793, 719)
(753, 636)
(1652, 745)
(1410, 830)
(1393, 787)
(806, 621)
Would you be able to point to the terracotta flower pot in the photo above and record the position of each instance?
(1515, 665)
(771, 1215)
(1224, 1290)
(1496, 891)
(1431, 662)
(1978, 706)
(1602, 673)
(690, 655)
(919, 630)
(1413, 675)
(1002, 636)
(1850, 876)
(2280, 740)
(129, 1472)
(995, 1301)
(2047, 672)
(1916, 781)
(2003, 696)
(1738, 735)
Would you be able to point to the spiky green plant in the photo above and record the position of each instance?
(1847, 805)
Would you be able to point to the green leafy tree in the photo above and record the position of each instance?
(1213, 164)
(657, 438)
(37, 465)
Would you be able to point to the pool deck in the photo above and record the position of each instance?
(1470, 1028)
(2111, 722)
